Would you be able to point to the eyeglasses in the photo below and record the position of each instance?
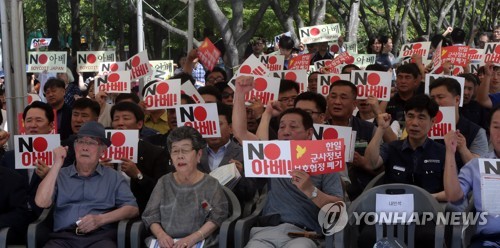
(88, 142)
(226, 95)
(183, 151)
(287, 99)
(217, 79)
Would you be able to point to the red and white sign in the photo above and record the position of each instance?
(33, 97)
(420, 48)
(474, 67)
(40, 42)
(351, 47)
(437, 62)
(443, 123)
(300, 62)
(325, 66)
(166, 66)
(202, 117)
(89, 61)
(107, 67)
(273, 62)
(189, 89)
(328, 132)
(475, 55)
(265, 89)
(372, 83)
(325, 80)
(114, 82)
(162, 94)
(457, 55)
(276, 159)
(333, 67)
(124, 144)
(491, 53)
(208, 54)
(299, 76)
(429, 78)
(319, 33)
(29, 148)
(47, 61)
(157, 75)
(252, 65)
(363, 60)
(139, 66)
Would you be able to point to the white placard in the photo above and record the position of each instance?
(47, 61)
(490, 183)
(202, 117)
(394, 207)
(429, 78)
(124, 144)
(29, 148)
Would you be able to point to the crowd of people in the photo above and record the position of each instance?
(180, 204)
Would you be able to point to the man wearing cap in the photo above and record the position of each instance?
(87, 197)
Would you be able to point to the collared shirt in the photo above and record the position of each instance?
(161, 125)
(422, 166)
(214, 158)
(199, 73)
(470, 180)
(76, 196)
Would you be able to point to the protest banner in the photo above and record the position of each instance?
(208, 54)
(372, 83)
(299, 76)
(489, 170)
(300, 62)
(491, 53)
(202, 117)
(429, 78)
(319, 33)
(325, 80)
(363, 60)
(328, 132)
(268, 159)
(162, 94)
(139, 66)
(40, 42)
(29, 148)
(273, 62)
(107, 67)
(114, 82)
(47, 61)
(165, 66)
(124, 144)
(419, 48)
(443, 123)
(475, 55)
(189, 89)
(457, 55)
(265, 89)
(90, 61)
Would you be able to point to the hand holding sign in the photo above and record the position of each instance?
(41, 168)
(130, 168)
(301, 179)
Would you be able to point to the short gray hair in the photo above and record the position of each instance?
(186, 132)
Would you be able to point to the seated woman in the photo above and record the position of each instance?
(187, 205)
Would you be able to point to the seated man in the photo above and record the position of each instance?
(416, 160)
(457, 187)
(292, 205)
(87, 197)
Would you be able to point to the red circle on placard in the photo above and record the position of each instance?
(291, 76)
(417, 46)
(260, 84)
(335, 48)
(439, 70)
(315, 31)
(273, 60)
(136, 61)
(472, 51)
(497, 49)
(118, 139)
(330, 133)
(40, 144)
(439, 117)
(200, 113)
(334, 79)
(30, 99)
(456, 71)
(373, 78)
(43, 59)
(113, 77)
(349, 60)
(114, 67)
(272, 151)
(162, 88)
(91, 58)
(246, 69)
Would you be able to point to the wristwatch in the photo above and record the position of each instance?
(314, 194)
(140, 176)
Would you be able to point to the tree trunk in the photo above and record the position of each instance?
(352, 27)
(75, 26)
(52, 13)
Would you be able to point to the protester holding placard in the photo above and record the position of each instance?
(38, 118)
(187, 204)
(151, 163)
(407, 82)
(87, 198)
(292, 205)
(491, 77)
(473, 142)
(473, 177)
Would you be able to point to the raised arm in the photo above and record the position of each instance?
(45, 192)
(450, 179)
(243, 85)
(484, 88)
(373, 149)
